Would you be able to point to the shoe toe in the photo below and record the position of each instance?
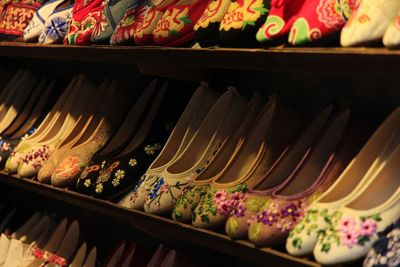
(238, 227)
(27, 170)
(265, 235)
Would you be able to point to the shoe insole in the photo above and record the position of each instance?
(79, 256)
(91, 258)
(384, 185)
(368, 160)
(287, 164)
(116, 256)
(207, 132)
(314, 165)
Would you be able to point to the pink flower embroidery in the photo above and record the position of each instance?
(368, 227)
(346, 225)
(165, 188)
(350, 238)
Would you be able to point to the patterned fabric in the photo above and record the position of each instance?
(320, 18)
(130, 25)
(16, 18)
(176, 25)
(86, 18)
(48, 257)
(386, 250)
(56, 27)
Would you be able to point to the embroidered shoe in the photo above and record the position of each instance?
(119, 141)
(36, 25)
(129, 26)
(386, 250)
(369, 22)
(280, 19)
(320, 20)
(190, 198)
(237, 225)
(207, 27)
(122, 171)
(355, 227)
(176, 25)
(110, 16)
(391, 38)
(56, 26)
(86, 16)
(261, 147)
(199, 105)
(320, 169)
(241, 22)
(216, 129)
(371, 158)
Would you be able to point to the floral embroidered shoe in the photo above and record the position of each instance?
(50, 133)
(98, 133)
(280, 19)
(207, 27)
(56, 26)
(36, 25)
(355, 227)
(85, 20)
(369, 22)
(190, 198)
(122, 171)
(391, 38)
(152, 13)
(216, 129)
(320, 20)
(130, 24)
(371, 158)
(266, 140)
(35, 156)
(321, 167)
(386, 250)
(238, 224)
(176, 25)
(42, 129)
(241, 22)
(16, 17)
(118, 142)
(110, 16)
(199, 105)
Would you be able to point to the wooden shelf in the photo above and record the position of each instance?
(280, 59)
(160, 226)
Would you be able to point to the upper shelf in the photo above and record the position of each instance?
(293, 59)
(160, 226)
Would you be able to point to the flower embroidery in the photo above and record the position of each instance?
(100, 25)
(37, 156)
(349, 231)
(87, 183)
(99, 188)
(4, 146)
(103, 164)
(172, 22)
(133, 162)
(334, 13)
(214, 13)
(152, 149)
(243, 13)
(68, 168)
(119, 174)
(115, 182)
(56, 29)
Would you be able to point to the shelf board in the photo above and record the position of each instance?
(280, 59)
(160, 226)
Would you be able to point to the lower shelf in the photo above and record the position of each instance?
(160, 226)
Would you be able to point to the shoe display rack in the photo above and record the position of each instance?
(322, 63)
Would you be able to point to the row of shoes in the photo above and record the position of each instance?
(42, 240)
(241, 23)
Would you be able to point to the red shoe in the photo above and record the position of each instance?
(85, 20)
(279, 21)
(320, 19)
(176, 25)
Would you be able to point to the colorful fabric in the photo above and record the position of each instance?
(56, 27)
(320, 18)
(280, 20)
(86, 18)
(130, 25)
(176, 25)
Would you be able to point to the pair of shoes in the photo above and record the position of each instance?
(301, 22)
(344, 221)
(374, 21)
(50, 22)
(112, 174)
(198, 106)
